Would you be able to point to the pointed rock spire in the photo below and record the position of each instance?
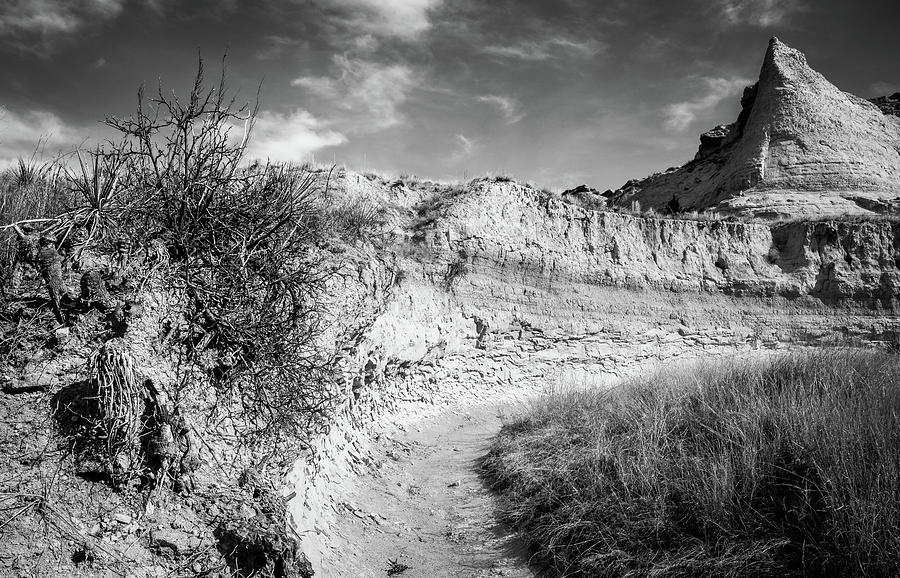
(799, 146)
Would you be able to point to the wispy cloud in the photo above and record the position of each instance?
(368, 94)
(400, 19)
(680, 115)
(22, 132)
(507, 106)
(286, 137)
(36, 25)
(882, 88)
(557, 47)
(365, 89)
(761, 13)
(276, 46)
(464, 148)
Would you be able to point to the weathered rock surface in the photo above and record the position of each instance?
(888, 104)
(800, 146)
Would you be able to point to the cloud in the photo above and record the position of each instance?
(882, 88)
(368, 94)
(290, 137)
(558, 47)
(21, 133)
(464, 148)
(36, 25)
(401, 19)
(508, 107)
(679, 116)
(761, 13)
(276, 46)
(363, 92)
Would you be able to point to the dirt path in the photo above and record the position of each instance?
(424, 507)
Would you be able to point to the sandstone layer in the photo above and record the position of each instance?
(800, 146)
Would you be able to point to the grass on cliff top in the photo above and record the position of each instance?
(786, 467)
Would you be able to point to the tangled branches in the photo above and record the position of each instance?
(241, 245)
(182, 156)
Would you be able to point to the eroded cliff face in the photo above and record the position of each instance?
(522, 279)
(533, 259)
(497, 287)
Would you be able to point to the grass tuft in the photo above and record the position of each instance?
(781, 467)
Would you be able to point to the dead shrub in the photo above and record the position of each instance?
(241, 245)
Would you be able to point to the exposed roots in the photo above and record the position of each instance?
(121, 403)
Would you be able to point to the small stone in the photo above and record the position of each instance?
(122, 518)
(175, 542)
(62, 335)
(247, 512)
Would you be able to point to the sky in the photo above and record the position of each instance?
(557, 93)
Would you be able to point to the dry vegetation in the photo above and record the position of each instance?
(239, 256)
(786, 467)
(235, 244)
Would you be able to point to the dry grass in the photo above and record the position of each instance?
(27, 191)
(786, 467)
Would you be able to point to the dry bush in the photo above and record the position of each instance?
(241, 246)
(789, 467)
(99, 200)
(356, 219)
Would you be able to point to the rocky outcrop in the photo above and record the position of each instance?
(586, 197)
(800, 146)
(888, 104)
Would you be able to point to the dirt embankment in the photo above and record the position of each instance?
(500, 289)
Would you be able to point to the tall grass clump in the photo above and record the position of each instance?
(29, 191)
(781, 467)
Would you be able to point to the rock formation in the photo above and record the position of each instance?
(800, 146)
(888, 104)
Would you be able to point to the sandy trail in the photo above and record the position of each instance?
(423, 506)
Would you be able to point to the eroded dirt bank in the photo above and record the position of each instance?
(498, 290)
